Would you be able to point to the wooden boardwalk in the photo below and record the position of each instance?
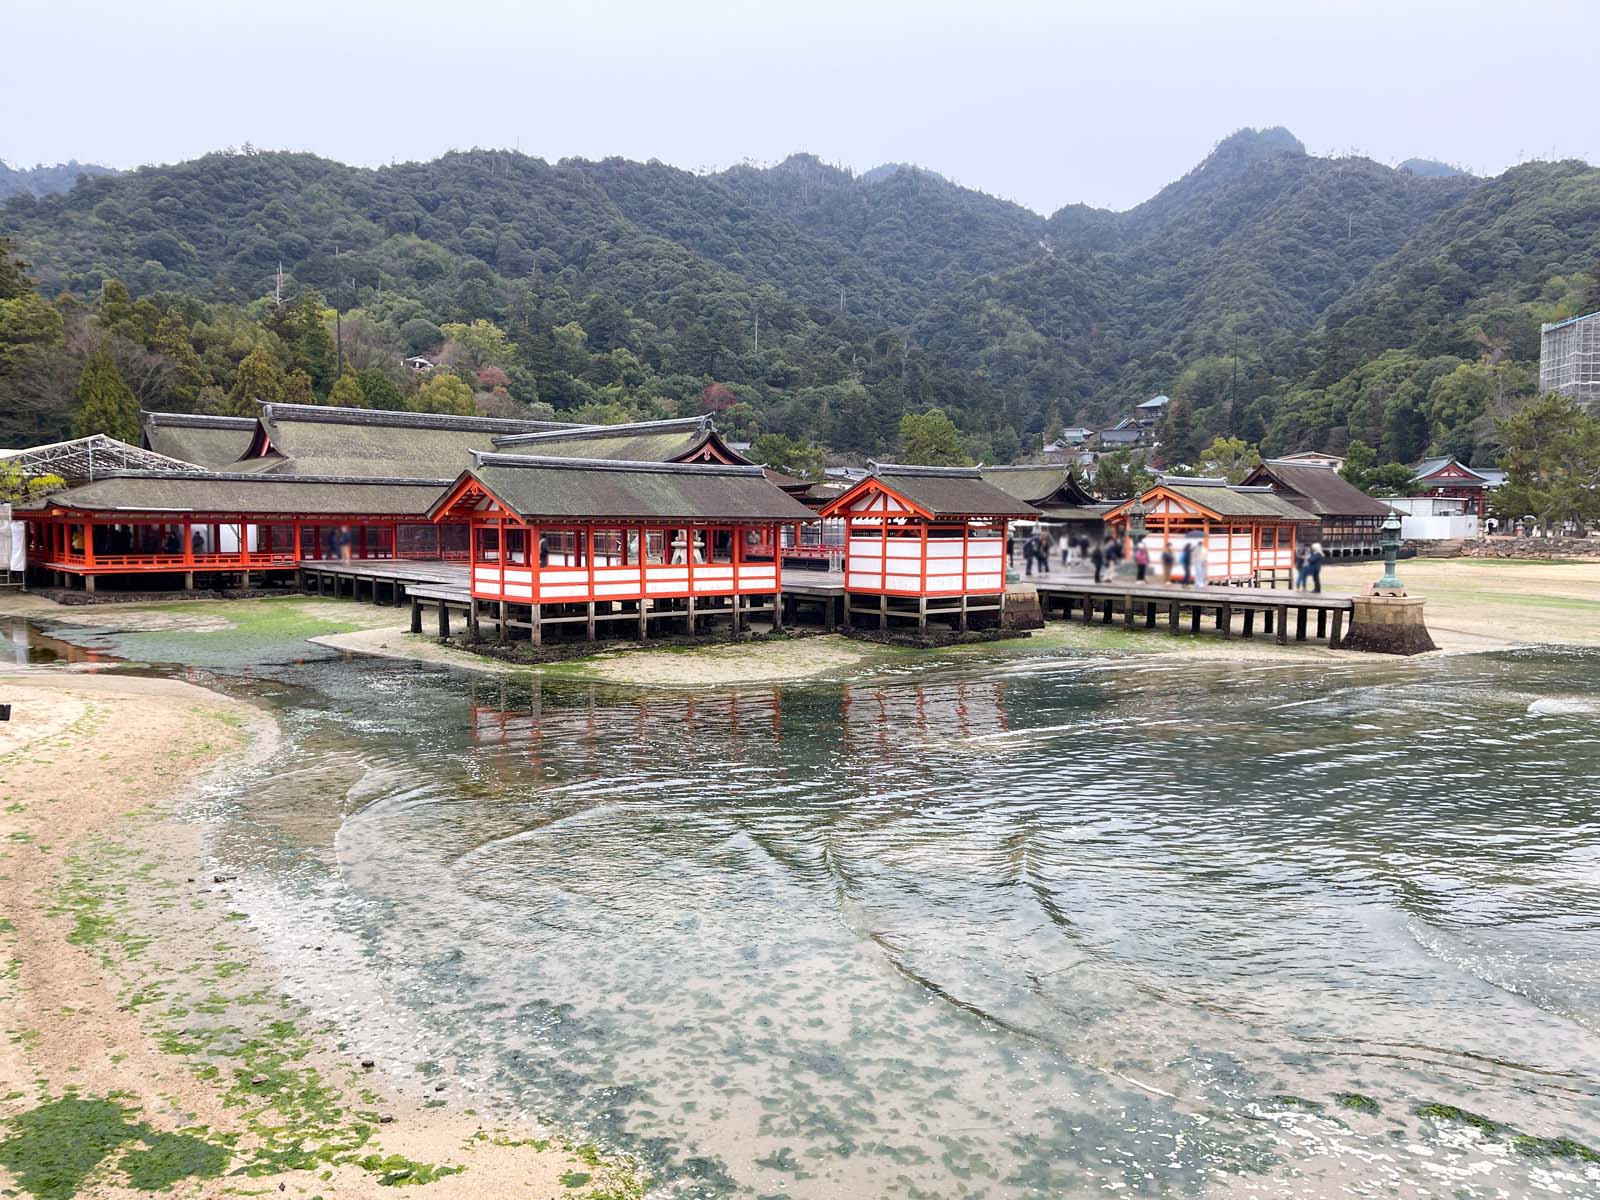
(1146, 605)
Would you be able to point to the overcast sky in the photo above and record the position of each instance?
(1045, 103)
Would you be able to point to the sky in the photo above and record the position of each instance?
(1045, 103)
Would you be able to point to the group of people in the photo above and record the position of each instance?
(1103, 555)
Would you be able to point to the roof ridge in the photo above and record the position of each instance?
(580, 432)
(261, 477)
(335, 415)
(487, 458)
(879, 468)
(201, 420)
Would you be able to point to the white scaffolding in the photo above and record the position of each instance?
(83, 460)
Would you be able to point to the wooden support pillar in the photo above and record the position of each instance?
(778, 599)
(922, 614)
(1088, 610)
(1249, 622)
(644, 630)
(1266, 620)
(88, 583)
(474, 630)
(1106, 607)
(588, 626)
(693, 616)
(1149, 614)
(416, 615)
(504, 632)
(1194, 619)
(444, 619)
(738, 615)
(1322, 623)
(536, 619)
(961, 620)
(188, 581)
(883, 599)
(244, 580)
(1283, 626)
(1172, 617)
(1225, 619)
(1300, 625)
(1338, 628)
(1127, 611)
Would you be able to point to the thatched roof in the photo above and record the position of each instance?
(676, 440)
(223, 494)
(562, 489)
(940, 491)
(1054, 490)
(206, 441)
(1225, 499)
(1317, 489)
(308, 439)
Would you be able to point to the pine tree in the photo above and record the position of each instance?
(347, 393)
(379, 390)
(189, 374)
(258, 381)
(105, 405)
(14, 280)
(297, 388)
(313, 344)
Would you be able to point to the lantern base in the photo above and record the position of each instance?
(1388, 624)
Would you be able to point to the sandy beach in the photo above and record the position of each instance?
(116, 939)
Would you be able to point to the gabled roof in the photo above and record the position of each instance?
(234, 493)
(1317, 489)
(316, 440)
(1049, 487)
(206, 441)
(537, 488)
(1429, 467)
(1155, 402)
(677, 440)
(1219, 498)
(936, 492)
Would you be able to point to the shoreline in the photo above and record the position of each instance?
(140, 1003)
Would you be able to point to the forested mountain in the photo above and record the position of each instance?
(1276, 295)
(43, 180)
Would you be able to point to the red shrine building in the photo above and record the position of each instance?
(1249, 533)
(606, 542)
(1449, 478)
(925, 541)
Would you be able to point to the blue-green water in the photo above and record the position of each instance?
(995, 927)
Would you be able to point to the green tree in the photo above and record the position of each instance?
(443, 393)
(1121, 475)
(379, 390)
(346, 393)
(931, 439)
(17, 487)
(174, 344)
(803, 460)
(297, 388)
(480, 344)
(105, 403)
(1180, 439)
(258, 382)
(1362, 470)
(1228, 458)
(313, 343)
(1552, 462)
(14, 278)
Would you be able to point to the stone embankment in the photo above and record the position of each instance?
(1532, 547)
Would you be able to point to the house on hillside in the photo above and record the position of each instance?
(1314, 458)
(1151, 413)
(1125, 433)
(1352, 521)
(419, 364)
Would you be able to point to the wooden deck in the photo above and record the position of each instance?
(1146, 605)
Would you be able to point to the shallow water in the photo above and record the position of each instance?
(991, 927)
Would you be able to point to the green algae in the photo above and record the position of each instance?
(1356, 1102)
(1530, 1145)
(56, 1146)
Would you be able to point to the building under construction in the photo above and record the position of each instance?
(1569, 358)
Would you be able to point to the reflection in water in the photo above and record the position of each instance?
(1016, 930)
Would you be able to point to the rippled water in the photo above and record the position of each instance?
(994, 928)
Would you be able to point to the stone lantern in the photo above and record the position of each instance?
(1389, 539)
(1136, 516)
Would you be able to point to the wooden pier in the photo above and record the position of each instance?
(1146, 606)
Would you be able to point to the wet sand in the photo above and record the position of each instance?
(116, 939)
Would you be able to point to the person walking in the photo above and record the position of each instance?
(1301, 553)
(1065, 546)
(1199, 561)
(1028, 547)
(1168, 561)
(1141, 562)
(1011, 547)
(1314, 561)
(1098, 558)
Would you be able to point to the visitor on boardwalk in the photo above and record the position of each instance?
(1168, 561)
(1011, 547)
(1065, 546)
(1029, 548)
(344, 542)
(1314, 560)
(1301, 553)
(1141, 561)
(1098, 558)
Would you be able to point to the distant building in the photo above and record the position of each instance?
(1569, 358)
(417, 363)
(1351, 519)
(1152, 412)
(1314, 458)
(1126, 432)
(1448, 478)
